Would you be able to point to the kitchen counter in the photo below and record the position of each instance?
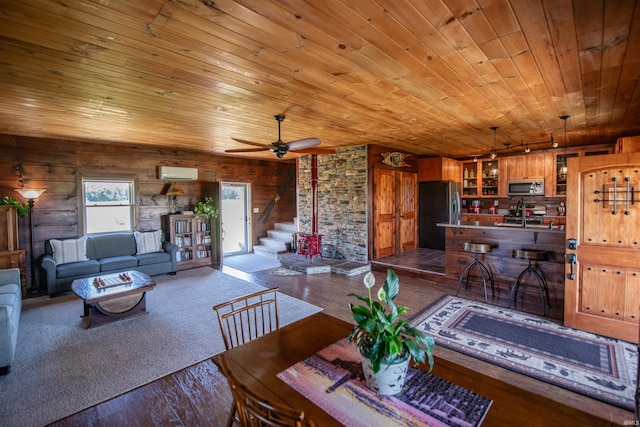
(504, 239)
(504, 226)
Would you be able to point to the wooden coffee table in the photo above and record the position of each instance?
(111, 297)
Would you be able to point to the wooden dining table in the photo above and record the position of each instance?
(257, 363)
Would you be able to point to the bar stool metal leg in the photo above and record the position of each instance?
(530, 270)
(484, 273)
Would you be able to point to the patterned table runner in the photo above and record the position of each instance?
(333, 380)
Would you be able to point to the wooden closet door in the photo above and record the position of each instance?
(384, 212)
(408, 184)
(603, 216)
(395, 212)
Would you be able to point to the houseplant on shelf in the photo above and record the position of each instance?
(386, 342)
(21, 208)
(206, 208)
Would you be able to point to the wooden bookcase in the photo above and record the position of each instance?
(10, 254)
(195, 238)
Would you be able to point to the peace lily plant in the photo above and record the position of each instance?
(383, 336)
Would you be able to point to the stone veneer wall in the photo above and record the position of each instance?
(342, 200)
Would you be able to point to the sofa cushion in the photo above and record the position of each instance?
(153, 258)
(124, 262)
(69, 250)
(109, 245)
(83, 268)
(148, 242)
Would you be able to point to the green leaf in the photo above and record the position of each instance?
(392, 284)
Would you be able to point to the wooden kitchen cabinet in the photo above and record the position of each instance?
(526, 166)
(491, 219)
(484, 178)
(628, 144)
(438, 169)
(556, 178)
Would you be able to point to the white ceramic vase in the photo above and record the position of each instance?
(389, 380)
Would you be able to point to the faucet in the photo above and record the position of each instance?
(523, 212)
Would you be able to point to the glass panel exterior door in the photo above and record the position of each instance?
(234, 213)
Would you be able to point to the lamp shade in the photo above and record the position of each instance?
(30, 193)
(175, 190)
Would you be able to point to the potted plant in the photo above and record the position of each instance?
(386, 342)
(21, 208)
(206, 208)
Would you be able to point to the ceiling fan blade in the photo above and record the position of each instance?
(316, 151)
(246, 150)
(302, 143)
(257, 144)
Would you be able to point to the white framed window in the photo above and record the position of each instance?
(108, 205)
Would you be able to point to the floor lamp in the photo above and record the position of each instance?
(31, 194)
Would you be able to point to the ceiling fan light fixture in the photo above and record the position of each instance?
(280, 148)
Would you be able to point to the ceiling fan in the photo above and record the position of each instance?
(280, 148)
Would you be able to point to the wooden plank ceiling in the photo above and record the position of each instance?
(426, 76)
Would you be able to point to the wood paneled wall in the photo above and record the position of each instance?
(57, 165)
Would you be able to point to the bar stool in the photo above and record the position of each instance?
(477, 248)
(531, 255)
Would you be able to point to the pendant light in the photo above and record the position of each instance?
(563, 168)
(493, 153)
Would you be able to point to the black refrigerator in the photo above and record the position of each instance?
(439, 201)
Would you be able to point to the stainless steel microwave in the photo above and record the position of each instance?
(525, 187)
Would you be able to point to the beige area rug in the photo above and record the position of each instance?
(62, 368)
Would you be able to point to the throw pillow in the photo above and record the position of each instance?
(149, 241)
(69, 250)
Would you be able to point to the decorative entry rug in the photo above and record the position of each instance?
(333, 380)
(250, 263)
(599, 367)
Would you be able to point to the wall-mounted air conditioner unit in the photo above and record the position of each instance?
(175, 173)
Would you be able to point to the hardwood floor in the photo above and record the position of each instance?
(198, 395)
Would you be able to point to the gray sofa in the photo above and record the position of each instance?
(105, 254)
(10, 309)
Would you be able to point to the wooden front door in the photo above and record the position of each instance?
(602, 269)
(395, 211)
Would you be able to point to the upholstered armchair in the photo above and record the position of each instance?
(10, 309)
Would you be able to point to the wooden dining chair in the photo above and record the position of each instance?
(255, 411)
(246, 318)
